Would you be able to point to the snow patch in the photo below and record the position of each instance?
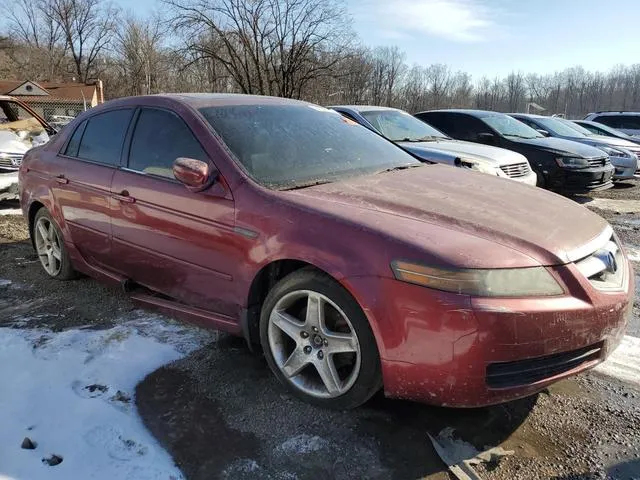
(4, 282)
(241, 467)
(302, 444)
(633, 252)
(614, 205)
(72, 393)
(624, 362)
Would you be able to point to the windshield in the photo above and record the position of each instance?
(601, 127)
(579, 128)
(291, 146)
(559, 127)
(510, 127)
(399, 126)
(25, 128)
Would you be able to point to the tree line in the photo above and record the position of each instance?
(291, 48)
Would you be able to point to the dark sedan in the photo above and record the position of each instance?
(623, 154)
(561, 165)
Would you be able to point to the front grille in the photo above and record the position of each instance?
(516, 170)
(10, 160)
(599, 162)
(605, 268)
(525, 372)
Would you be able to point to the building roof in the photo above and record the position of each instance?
(48, 91)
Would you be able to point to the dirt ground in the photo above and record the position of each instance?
(221, 414)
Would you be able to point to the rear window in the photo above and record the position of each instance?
(103, 137)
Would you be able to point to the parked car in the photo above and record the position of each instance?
(354, 265)
(623, 154)
(430, 144)
(604, 130)
(626, 122)
(60, 121)
(561, 165)
(20, 129)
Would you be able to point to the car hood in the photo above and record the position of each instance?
(561, 146)
(11, 143)
(491, 155)
(539, 224)
(614, 141)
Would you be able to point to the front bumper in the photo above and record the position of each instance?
(567, 180)
(529, 179)
(625, 168)
(9, 186)
(444, 349)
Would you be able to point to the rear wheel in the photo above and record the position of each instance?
(49, 244)
(318, 342)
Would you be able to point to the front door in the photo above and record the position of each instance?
(83, 171)
(166, 237)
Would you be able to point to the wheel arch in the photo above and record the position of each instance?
(264, 280)
(34, 208)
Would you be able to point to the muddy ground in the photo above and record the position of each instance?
(221, 414)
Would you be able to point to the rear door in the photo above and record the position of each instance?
(165, 237)
(84, 170)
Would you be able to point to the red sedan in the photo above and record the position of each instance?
(352, 264)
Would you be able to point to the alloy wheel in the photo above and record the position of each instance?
(314, 344)
(48, 246)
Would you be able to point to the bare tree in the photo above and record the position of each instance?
(515, 87)
(266, 46)
(88, 27)
(30, 24)
(139, 44)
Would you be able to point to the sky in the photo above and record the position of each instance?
(495, 37)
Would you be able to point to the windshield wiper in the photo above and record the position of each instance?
(428, 138)
(401, 167)
(306, 185)
(519, 136)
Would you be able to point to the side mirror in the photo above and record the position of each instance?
(543, 132)
(196, 175)
(487, 138)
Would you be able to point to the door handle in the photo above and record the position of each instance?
(62, 180)
(124, 197)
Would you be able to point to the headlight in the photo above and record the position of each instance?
(572, 162)
(481, 167)
(507, 282)
(614, 152)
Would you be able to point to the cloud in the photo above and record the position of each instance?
(457, 20)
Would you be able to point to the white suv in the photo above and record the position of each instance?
(627, 122)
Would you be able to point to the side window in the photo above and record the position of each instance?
(158, 139)
(468, 127)
(440, 121)
(103, 137)
(615, 121)
(74, 142)
(529, 123)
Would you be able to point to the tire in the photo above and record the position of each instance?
(340, 343)
(52, 247)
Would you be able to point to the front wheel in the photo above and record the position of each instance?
(318, 341)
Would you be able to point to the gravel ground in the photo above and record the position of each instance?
(221, 414)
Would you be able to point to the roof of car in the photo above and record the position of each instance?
(612, 112)
(200, 100)
(528, 115)
(467, 111)
(363, 108)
